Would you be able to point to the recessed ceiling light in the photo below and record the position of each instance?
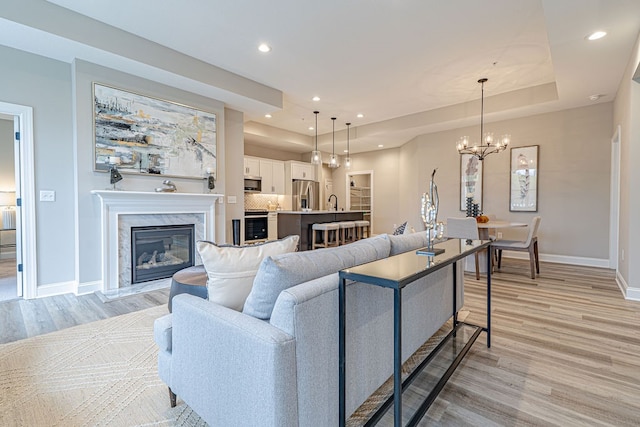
(596, 35)
(310, 127)
(360, 115)
(268, 116)
(595, 97)
(380, 145)
(316, 98)
(264, 48)
(345, 151)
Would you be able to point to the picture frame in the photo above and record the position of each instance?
(143, 135)
(470, 180)
(523, 190)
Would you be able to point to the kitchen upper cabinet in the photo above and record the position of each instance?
(272, 173)
(302, 171)
(251, 166)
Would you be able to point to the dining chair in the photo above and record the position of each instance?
(530, 245)
(464, 228)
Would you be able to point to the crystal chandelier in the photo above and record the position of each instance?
(488, 144)
(316, 156)
(333, 160)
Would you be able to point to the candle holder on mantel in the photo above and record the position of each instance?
(114, 173)
(210, 181)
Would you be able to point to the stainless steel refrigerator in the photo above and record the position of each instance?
(306, 194)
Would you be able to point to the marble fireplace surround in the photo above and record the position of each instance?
(121, 210)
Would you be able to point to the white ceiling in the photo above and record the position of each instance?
(409, 66)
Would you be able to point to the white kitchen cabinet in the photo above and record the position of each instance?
(302, 171)
(251, 166)
(272, 173)
(272, 225)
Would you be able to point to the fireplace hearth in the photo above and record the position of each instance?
(157, 252)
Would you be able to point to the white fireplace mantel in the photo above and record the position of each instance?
(115, 203)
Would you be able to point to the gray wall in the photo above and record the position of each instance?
(574, 167)
(627, 114)
(45, 85)
(88, 225)
(68, 230)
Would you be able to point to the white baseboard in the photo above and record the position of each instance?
(630, 293)
(71, 287)
(89, 287)
(53, 289)
(561, 259)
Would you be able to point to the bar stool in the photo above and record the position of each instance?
(329, 232)
(347, 232)
(362, 227)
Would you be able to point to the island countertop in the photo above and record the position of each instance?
(299, 222)
(317, 212)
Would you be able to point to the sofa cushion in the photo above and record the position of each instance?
(407, 242)
(231, 269)
(281, 272)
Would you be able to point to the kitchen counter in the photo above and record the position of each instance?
(318, 212)
(299, 222)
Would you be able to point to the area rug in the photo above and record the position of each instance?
(102, 373)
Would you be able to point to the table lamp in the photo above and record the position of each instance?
(8, 208)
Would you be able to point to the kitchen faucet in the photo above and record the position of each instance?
(336, 205)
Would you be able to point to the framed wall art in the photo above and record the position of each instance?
(470, 180)
(145, 135)
(524, 179)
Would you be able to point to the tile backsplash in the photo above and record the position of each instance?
(261, 201)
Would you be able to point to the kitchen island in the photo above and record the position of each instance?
(300, 222)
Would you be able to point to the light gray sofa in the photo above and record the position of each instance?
(281, 367)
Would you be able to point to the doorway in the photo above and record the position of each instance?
(8, 260)
(360, 194)
(18, 213)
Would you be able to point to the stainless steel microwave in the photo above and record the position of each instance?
(252, 184)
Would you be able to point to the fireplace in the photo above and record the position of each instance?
(122, 210)
(159, 251)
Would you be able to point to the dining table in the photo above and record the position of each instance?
(484, 232)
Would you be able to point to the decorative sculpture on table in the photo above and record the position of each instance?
(429, 213)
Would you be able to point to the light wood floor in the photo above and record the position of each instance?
(565, 347)
(565, 351)
(20, 318)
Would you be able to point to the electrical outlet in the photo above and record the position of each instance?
(231, 199)
(499, 234)
(47, 196)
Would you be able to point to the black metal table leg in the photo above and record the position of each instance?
(397, 356)
(342, 351)
(489, 267)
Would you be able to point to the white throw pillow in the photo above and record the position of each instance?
(231, 269)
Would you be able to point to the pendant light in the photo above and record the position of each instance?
(347, 160)
(333, 160)
(316, 156)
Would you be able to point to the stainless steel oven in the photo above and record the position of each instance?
(256, 226)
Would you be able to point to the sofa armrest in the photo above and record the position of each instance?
(162, 332)
(231, 368)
